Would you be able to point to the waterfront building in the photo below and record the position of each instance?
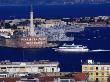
(32, 42)
(8, 68)
(26, 37)
(97, 71)
(49, 77)
(41, 20)
(47, 25)
(52, 23)
(6, 32)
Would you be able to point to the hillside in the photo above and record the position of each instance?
(35, 2)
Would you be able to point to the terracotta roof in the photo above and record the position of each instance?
(80, 76)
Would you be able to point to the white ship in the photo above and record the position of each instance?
(72, 48)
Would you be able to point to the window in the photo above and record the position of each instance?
(41, 67)
(92, 74)
(102, 68)
(91, 68)
(96, 68)
(108, 73)
(107, 68)
(102, 73)
(96, 73)
(52, 69)
(86, 68)
(97, 79)
(3, 67)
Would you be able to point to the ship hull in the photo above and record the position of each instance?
(72, 50)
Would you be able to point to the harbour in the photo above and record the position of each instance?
(87, 37)
(41, 47)
(36, 54)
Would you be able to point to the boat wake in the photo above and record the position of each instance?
(99, 50)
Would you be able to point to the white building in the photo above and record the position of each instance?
(52, 23)
(22, 68)
(6, 32)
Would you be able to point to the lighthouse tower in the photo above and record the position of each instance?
(31, 30)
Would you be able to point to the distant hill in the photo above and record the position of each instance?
(36, 2)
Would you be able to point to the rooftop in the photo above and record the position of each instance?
(7, 62)
(91, 62)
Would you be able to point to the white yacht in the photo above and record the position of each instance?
(72, 48)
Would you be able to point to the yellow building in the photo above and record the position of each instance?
(98, 72)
